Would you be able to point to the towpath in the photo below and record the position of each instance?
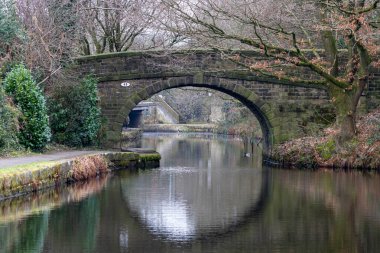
(63, 155)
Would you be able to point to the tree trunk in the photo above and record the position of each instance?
(347, 128)
(345, 104)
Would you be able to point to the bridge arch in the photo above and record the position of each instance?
(127, 100)
(285, 109)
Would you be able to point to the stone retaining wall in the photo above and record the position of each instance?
(61, 172)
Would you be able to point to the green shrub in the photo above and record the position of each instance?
(34, 124)
(327, 149)
(8, 124)
(74, 113)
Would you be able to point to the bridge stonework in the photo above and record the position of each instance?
(284, 110)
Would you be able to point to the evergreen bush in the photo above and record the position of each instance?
(8, 124)
(34, 124)
(74, 113)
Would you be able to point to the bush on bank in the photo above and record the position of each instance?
(34, 131)
(8, 124)
(74, 112)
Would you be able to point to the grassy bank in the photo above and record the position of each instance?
(362, 152)
(22, 179)
(50, 148)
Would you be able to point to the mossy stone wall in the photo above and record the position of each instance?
(33, 177)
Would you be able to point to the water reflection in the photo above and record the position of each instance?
(18, 208)
(191, 198)
(26, 236)
(200, 200)
(198, 150)
(24, 220)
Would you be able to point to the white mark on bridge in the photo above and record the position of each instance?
(125, 84)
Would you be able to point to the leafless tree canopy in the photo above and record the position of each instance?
(292, 33)
(51, 34)
(112, 26)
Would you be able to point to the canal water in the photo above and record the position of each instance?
(209, 195)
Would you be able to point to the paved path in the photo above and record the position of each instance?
(8, 162)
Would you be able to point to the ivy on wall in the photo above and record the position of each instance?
(8, 123)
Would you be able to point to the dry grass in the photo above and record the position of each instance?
(88, 167)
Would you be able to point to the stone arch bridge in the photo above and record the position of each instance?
(285, 110)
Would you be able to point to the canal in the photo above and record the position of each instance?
(207, 196)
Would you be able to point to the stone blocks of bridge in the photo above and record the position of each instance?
(283, 112)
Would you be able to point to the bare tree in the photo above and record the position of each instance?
(51, 34)
(57, 30)
(118, 25)
(292, 33)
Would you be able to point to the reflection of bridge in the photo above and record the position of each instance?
(170, 204)
(171, 218)
(284, 109)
